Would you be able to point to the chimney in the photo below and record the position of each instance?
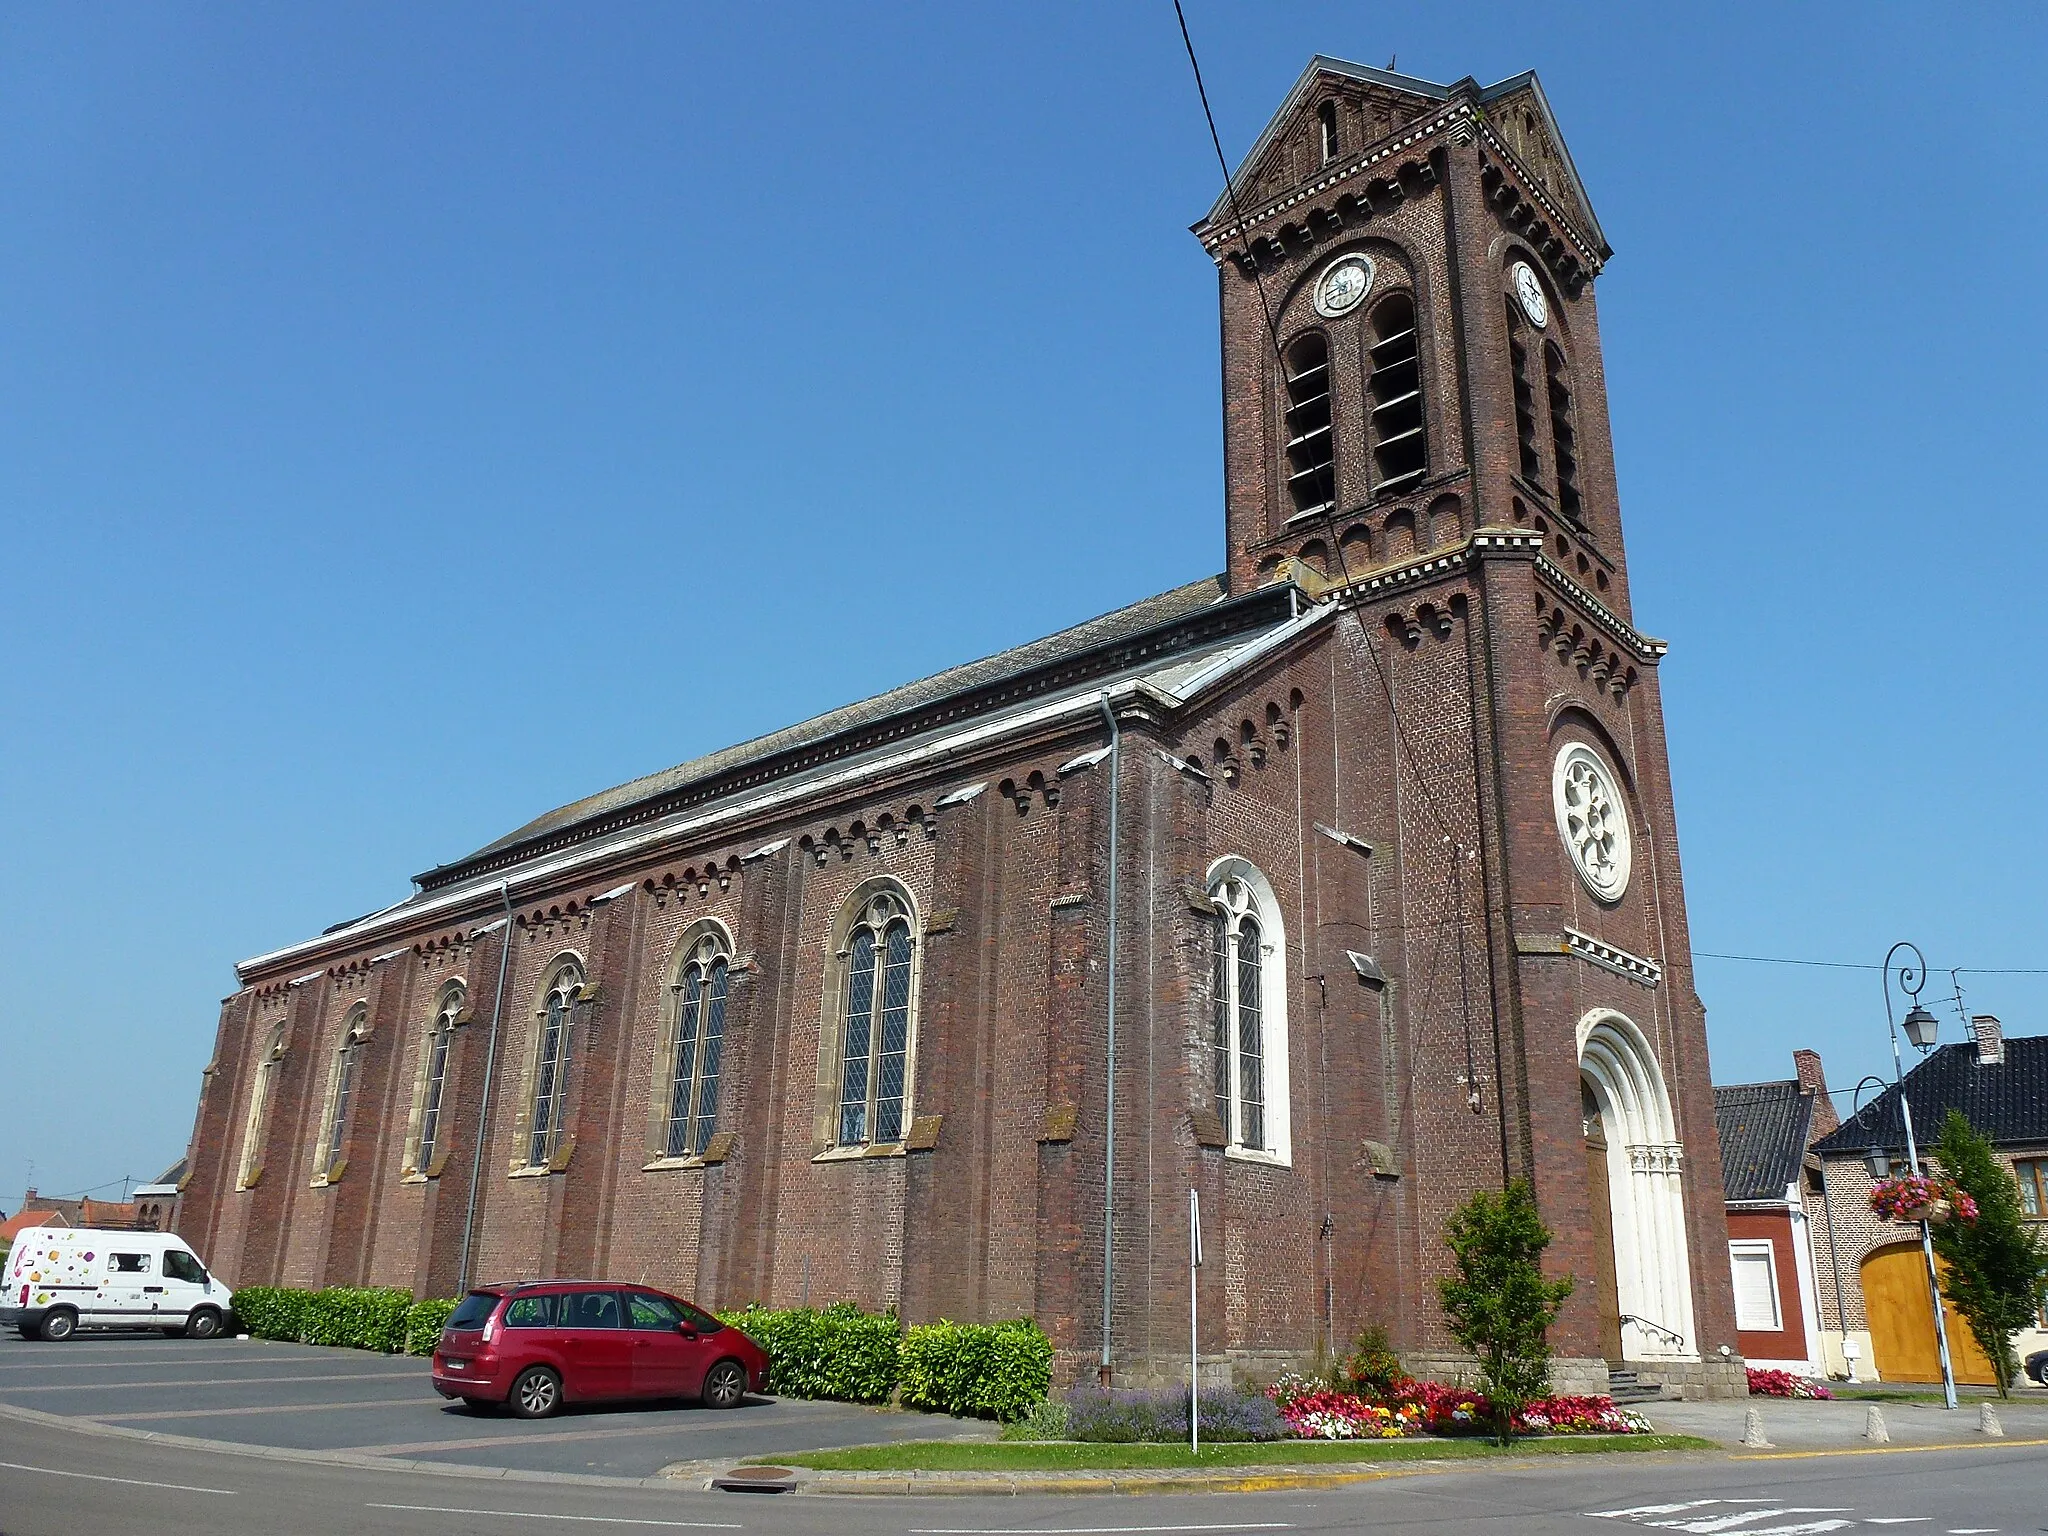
(1813, 1079)
(1990, 1039)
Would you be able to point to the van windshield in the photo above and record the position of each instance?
(474, 1311)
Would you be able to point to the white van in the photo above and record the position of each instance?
(61, 1279)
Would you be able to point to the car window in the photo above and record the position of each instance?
(180, 1265)
(128, 1263)
(590, 1309)
(531, 1312)
(657, 1313)
(699, 1319)
(474, 1311)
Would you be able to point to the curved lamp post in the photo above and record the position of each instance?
(1923, 1030)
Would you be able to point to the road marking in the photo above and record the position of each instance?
(414, 1401)
(1898, 1519)
(528, 1435)
(1089, 1530)
(1975, 1530)
(1658, 1509)
(189, 1381)
(1716, 1523)
(528, 1514)
(132, 1482)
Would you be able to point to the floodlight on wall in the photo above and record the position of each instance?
(1368, 969)
(1922, 1028)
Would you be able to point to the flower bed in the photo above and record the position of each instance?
(1408, 1408)
(1785, 1384)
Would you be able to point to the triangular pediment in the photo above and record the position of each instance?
(1520, 117)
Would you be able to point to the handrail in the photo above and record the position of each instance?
(1649, 1327)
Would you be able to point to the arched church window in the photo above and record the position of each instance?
(1525, 397)
(877, 1021)
(554, 1042)
(341, 1082)
(430, 1138)
(1248, 1013)
(1400, 447)
(1564, 441)
(250, 1169)
(699, 1046)
(1311, 436)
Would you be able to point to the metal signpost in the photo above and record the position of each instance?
(1194, 1322)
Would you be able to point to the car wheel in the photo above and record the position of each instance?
(537, 1393)
(203, 1324)
(59, 1325)
(725, 1384)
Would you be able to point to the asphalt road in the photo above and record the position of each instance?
(296, 1397)
(61, 1482)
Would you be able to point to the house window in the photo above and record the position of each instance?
(1247, 1011)
(430, 1144)
(1400, 447)
(341, 1082)
(1564, 441)
(555, 1031)
(699, 1044)
(1756, 1286)
(2033, 1176)
(1311, 438)
(877, 1018)
(251, 1168)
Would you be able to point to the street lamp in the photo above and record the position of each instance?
(1923, 1030)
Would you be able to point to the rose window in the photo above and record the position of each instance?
(1592, 820)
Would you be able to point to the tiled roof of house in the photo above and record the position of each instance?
(1763, 1129)
(2007, 1101)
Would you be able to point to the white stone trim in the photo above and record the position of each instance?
(1613, 958)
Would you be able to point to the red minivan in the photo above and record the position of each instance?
(540, 1343)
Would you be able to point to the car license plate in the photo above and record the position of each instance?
(455, 1365)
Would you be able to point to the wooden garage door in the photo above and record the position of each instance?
(1902, 1322)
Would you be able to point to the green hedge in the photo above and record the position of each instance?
(839, 1352)
(351, 1317)
(977, 1370)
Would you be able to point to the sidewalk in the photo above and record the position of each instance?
(1795, 1425)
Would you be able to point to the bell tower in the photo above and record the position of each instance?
(1416, 431)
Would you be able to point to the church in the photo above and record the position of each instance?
(1331, 888)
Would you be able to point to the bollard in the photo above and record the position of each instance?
(1873, 1425)
(1987, 1421)
(1753, 1431)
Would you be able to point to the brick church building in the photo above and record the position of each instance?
(1331, 887)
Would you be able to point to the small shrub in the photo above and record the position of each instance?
(1124, 1418)
(976, 1370)
(272, 1311)
(1372, 1366)
(839, 1352)
(358, 1317)
(1044, 1420)
(423, 1325)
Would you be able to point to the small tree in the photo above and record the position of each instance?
(1498, 1305)
(1996, 1264)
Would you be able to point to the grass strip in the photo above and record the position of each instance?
(1070, 1456)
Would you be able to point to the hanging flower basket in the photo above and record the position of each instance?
(1917, 1197)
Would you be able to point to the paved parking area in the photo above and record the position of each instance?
(298, 1397)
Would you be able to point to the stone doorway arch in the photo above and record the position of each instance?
(1645, 1193)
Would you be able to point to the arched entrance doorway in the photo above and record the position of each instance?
(1901, 1314)
(1632, 1135)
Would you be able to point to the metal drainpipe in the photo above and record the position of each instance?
(483, 1122)
(1109, 1115)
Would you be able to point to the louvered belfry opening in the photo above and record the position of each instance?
(1564, 440)
(1525, 398)
(1311, 437)
(1400, 450)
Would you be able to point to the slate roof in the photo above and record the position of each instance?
(1763, 1129)
(1094, 635)
(2007, 1102)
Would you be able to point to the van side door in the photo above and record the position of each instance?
(129, 1290)
(184, 1280)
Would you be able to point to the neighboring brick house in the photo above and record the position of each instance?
(2001, 1084)
(145, 1213)
(1366, 845)
(1772, 1186)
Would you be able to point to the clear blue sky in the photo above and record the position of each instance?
(412, 418)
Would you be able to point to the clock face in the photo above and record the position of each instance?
(1592, 820)
(1344, 283)
(1529, 290)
